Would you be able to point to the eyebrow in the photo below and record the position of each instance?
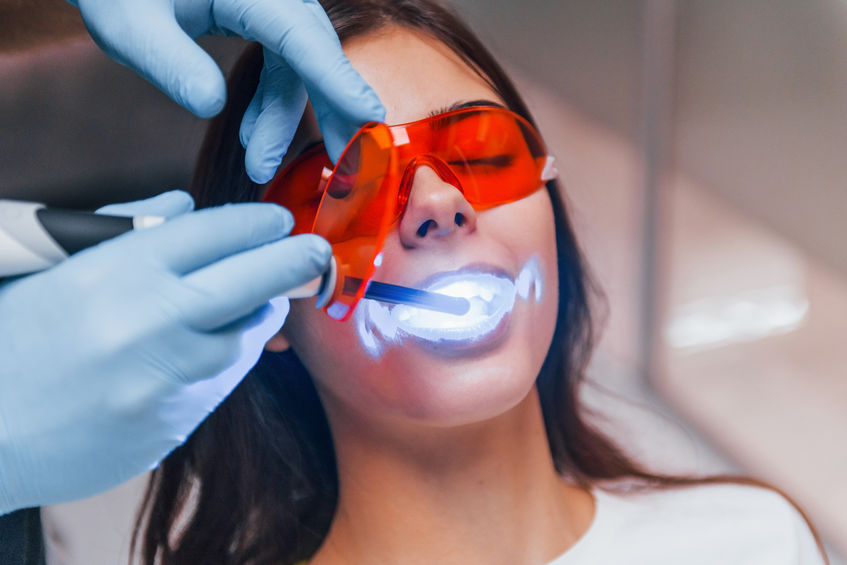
(459, 105)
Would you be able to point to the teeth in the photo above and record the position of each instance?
(491, 298)
(480, 290)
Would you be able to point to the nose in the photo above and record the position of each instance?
(436, 210)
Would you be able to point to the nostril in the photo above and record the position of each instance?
(425, 227)
(460, 219)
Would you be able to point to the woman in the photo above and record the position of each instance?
(349, 445)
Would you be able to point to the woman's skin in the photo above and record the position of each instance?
(441, 459)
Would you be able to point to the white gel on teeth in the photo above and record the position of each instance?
(491, 298)
(530, 276)
(480, 289)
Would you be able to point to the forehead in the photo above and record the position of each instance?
(414, 74)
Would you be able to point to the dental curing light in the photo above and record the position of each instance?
(324, 286)
(34, 237)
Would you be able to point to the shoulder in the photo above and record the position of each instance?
(702, 500)
(725, 523)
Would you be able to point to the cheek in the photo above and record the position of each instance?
(407, 383)
(321, 343)
(528, 226)
(333, 354)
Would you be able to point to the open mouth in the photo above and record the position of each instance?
(491, 291)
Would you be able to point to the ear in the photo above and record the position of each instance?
(277, 343)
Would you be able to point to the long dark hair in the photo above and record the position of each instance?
(256, 483)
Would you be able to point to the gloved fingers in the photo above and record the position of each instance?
(293, 30)
(228, 355)
(248, 122)
(249, 335)
(184, 71)
(337, 123)
(146, 37)
(232, 288)
(195, 240)
(336, 129)
(320, 14)
(201, 355)
(282, 105)
(207, 367)
(168, 204)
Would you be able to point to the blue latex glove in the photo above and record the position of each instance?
(302, 54)
(113, 357)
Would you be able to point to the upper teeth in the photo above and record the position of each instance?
(480, 290)
(491, 297)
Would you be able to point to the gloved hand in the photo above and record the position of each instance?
(110, 359)
(153, 37)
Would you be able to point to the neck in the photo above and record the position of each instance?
(481, 493)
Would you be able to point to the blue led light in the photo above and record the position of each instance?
(492, 298)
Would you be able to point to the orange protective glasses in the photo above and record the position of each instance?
(490, 154)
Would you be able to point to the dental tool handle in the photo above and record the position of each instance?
(324, 286)
(34, 237)
(395, 294)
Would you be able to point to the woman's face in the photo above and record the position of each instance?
(423, 374)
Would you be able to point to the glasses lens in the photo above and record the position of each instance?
(299, 187)
(496, 155)
(355, 213)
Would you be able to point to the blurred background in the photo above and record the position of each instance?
(703, 147)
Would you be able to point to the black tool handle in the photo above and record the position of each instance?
(75, 231)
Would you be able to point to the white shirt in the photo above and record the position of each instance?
(723, 524)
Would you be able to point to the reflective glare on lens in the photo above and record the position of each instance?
(356, 212)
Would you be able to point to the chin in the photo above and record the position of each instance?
(434, 392)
